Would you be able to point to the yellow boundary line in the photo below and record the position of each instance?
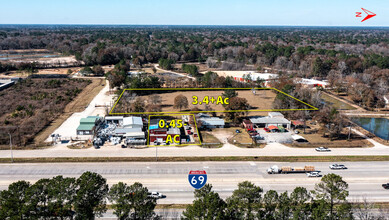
(176, 145)
(312, 108)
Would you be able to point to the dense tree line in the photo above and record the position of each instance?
(327, 201)
(86, 198)
(349, 57)
(75, 198)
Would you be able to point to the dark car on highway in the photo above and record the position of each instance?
(385, 185)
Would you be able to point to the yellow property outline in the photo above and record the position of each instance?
(312, 108)
(148, 133)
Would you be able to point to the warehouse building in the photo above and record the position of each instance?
(88, 125)
(273, 119)
(211, 122)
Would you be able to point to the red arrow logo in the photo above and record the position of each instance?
(369, 14)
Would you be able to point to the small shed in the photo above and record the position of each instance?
(247, 124)
(299, 138)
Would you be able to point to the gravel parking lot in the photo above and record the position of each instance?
(285, 137)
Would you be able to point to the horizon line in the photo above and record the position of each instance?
(225, 25)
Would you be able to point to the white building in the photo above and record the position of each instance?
(118, 120)
(275, 115)
(242, 76)
(132, 122)
(312, 83)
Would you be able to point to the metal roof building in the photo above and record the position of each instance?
(267, 121)
(87, 125)
(212, 122)
(132, 122)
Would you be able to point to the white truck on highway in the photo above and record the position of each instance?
(286, 169)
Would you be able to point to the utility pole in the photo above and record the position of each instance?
(349, 131)
(156, 152)
(10, 146)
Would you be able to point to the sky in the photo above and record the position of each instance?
(194, 12)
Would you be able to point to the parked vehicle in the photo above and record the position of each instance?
(238, 131)
(322, 149)
(267, 129)
(385, 185)
(338, 167)
(284, 170)
(156, 195)
(314, 174)
(124, 146)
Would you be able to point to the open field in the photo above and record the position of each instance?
(317, 140)
(261, 101)
(315, 137)
(210, 139)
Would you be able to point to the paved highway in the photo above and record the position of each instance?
(171, 179)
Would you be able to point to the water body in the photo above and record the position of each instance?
(377, 126)
(18, 56)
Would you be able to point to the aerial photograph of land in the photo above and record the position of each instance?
(194, 110)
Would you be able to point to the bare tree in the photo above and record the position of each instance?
(366, 211)
(180, 102)
(155, 99)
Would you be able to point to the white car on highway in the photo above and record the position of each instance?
(337, 167)
(322, 149)
(314, 174)
(156, 195)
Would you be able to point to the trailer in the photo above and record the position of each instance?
(287, 169)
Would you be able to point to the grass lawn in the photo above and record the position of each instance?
(209, 138)
(261, 101)
(317, 140)
(174, 159)
(336, 103)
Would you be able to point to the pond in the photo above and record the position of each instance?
(18, 56)
(377, 126)
(335, 103)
